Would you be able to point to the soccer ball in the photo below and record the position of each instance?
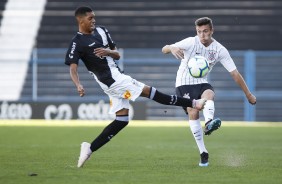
(198, 66)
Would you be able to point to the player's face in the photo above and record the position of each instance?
(87, 22)
(204, 32)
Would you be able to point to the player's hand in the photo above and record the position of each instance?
(101, 52)
(252, 99)
(177, 52)
(80, 90)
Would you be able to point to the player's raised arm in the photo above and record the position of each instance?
(176, 51)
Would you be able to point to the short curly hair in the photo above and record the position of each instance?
(81, 11)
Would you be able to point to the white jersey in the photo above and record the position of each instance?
(214, 53)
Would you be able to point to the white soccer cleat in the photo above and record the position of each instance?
(85, 153)
(199, 104)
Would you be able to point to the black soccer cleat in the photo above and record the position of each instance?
(204, 162)
(212, 125)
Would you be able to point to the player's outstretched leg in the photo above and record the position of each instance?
(212, 125)
(204, 162)
(85, 153)
(175, 100)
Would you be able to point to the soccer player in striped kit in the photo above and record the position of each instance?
(203, 44)
(94, 46)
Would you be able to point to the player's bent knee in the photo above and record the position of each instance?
(146, 91)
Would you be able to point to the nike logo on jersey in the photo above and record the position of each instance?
(186, 95)
(91, 44)
(197, 53)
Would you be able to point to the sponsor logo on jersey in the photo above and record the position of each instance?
(127, 95)
(72, 50)
(90, 45)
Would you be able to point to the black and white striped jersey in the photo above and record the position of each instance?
(82, 46)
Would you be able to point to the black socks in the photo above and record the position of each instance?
(169, 99)
(109, 132)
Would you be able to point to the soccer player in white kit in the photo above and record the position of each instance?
(203, 44)
(94, 46)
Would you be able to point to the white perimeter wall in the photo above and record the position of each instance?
(19, 27)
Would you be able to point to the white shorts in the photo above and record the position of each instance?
(122, 91)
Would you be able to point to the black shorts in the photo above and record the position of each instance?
(192, 91)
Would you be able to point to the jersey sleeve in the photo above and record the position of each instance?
(72, 55)
(226, 60)
(111, 42)
(184, 44)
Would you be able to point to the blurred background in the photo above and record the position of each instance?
(34, 36)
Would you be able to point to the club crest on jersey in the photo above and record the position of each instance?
(211, 55)
(127, 95)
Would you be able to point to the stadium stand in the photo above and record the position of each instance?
(239, 24)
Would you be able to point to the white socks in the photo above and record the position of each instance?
(196, 127)
(208, 111)
(197, 131)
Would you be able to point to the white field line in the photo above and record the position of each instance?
(133, 123)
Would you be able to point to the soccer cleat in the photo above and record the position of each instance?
(199, 104)
(204, 162)
(85, 153)
(212, 125)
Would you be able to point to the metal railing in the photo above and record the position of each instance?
(246, 61)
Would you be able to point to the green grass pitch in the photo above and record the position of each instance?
(140, 154)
